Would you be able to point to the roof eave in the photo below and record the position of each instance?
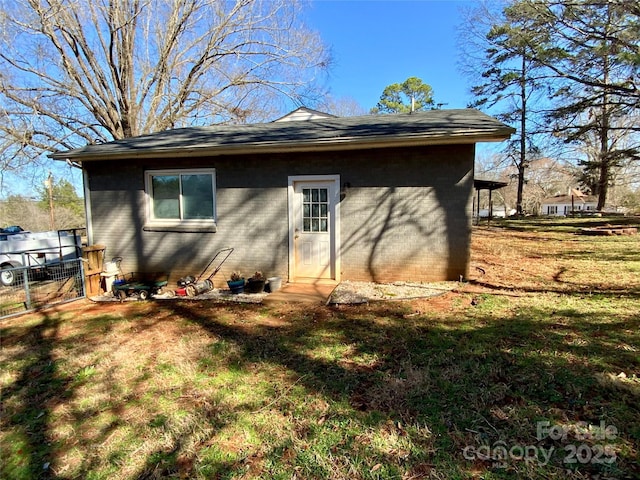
(333, 144)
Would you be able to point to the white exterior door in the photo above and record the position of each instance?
(313, 227)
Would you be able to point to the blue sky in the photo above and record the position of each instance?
(379, 42)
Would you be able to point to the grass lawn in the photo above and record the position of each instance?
(528, 370)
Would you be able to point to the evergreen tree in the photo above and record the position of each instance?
(586, 55)
(593, 55)
(411, 95)
(511, 81)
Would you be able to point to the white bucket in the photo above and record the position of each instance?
(110, 273)
(111, 268)
(274, 283)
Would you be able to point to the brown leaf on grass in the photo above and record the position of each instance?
(498, 413)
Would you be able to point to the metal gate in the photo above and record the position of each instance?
(25, 289)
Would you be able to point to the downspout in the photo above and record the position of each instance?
(87, 206)
(87, 202)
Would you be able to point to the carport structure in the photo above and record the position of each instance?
(480, 185)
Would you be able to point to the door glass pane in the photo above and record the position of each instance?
(197, 196)
(315, 210)
(166, 196)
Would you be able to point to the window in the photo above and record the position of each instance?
(180, 200)
(552, 209)
(315, 210)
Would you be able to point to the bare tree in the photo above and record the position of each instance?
(74, 72)
(341, 106)
(30, 215)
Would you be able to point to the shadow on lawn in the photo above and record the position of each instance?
(462, 383)
(44, 385)
(562, 287)
(566, 223)
(37, 390)
(471, 384)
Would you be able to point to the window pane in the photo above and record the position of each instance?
(315, 209)
(197, 196)
(166, 196)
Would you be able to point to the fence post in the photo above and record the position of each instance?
(83, 284)
(25, 280)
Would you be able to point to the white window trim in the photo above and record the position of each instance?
(189, 225)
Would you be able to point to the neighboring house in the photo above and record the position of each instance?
(373, 198)
(574, 202)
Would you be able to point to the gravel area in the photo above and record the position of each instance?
(363, 292)
(346, 293)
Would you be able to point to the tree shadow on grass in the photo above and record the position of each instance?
(30, 398)
(438, 384)
(454, 380)
(66, 396)
(562, 287)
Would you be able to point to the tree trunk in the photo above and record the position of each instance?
(520, 190)
(603, 180)
(603, 184)
(523, 134)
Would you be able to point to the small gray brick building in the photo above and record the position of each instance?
(375, 198)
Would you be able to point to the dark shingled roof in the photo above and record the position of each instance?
(480, 184)
(371, 131)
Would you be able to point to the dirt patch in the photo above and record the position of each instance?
(440, 303)
(608, 230)
(363, 292)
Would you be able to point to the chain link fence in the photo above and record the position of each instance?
(25, 289)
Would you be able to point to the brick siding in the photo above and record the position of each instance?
(406, 215)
